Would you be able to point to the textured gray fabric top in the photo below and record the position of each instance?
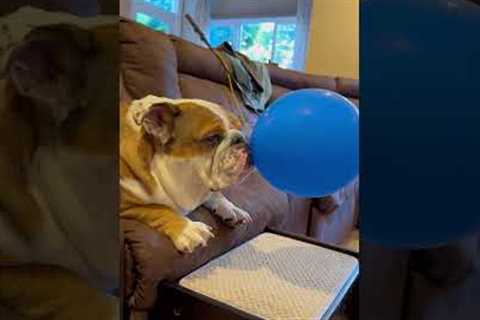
(276, 277)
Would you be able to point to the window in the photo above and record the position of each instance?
(159, 15)
(264, 40)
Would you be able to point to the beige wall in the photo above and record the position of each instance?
(334, 38)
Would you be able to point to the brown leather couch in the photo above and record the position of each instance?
(155, 63)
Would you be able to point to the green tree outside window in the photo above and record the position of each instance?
(285, 45)
(260, 41)
(256, 40)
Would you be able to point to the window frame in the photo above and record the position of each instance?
(236, 23)
(170, 18)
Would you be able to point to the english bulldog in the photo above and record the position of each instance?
(58, 147)
(176, 155)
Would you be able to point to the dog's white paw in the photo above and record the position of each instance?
(194, 234)
(233, 215)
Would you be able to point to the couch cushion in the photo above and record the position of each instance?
(193, 87)
(197, 88)
(348, 88)
(278, 91)
(295, 80)
(189, 55)
(335, 227)
(148, 62)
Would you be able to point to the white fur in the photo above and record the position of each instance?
(226, 210)
(180, 182)
(193, 235)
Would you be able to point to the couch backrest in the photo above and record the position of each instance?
(155, 63)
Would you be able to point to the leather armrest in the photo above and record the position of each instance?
(295, 80)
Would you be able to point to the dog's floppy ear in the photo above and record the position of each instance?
(159, 121)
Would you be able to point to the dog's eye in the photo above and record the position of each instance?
(213, 139)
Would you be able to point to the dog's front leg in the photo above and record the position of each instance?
(185, 234)
(226, 210)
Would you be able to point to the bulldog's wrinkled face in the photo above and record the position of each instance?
(206, 137)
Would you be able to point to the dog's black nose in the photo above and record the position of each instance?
(238, 139)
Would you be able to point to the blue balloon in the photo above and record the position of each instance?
(306, 143)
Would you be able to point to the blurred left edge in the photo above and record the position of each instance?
(59, 237)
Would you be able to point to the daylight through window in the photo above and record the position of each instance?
(264, 40)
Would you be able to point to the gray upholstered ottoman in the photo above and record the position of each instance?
(275, 277)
